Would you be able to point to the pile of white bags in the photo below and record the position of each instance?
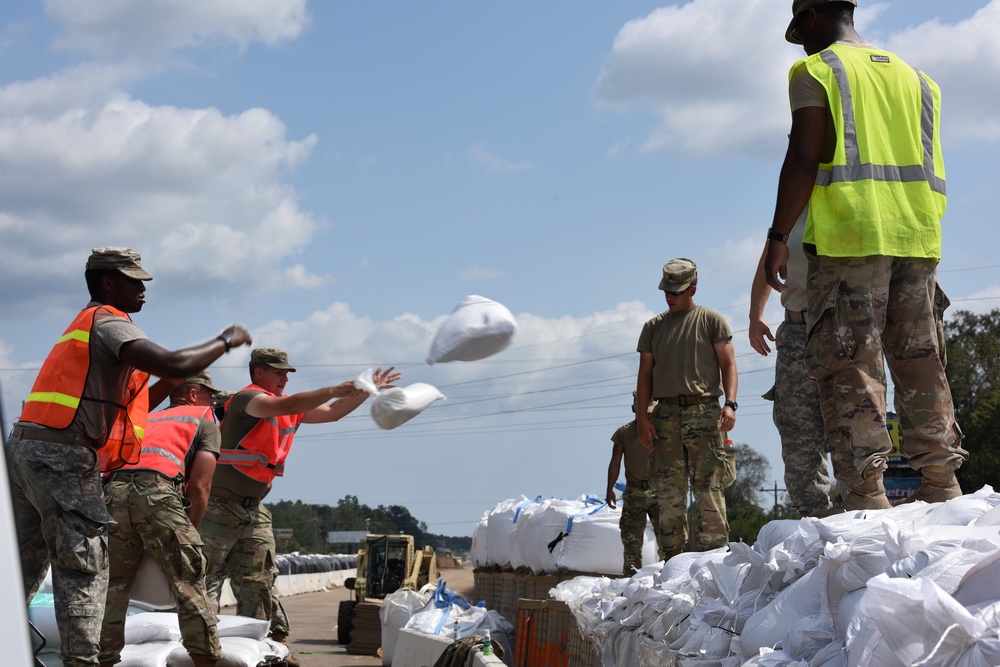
(449, 615)
(548, 536)
(917, 584)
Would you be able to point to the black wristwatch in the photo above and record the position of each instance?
(731, 404)
(776, 236)
(225, 339)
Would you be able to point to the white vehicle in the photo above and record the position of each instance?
(18, 646)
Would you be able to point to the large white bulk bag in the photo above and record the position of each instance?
(580, 535)
(479, 555)
(501, 529)
(477, 328)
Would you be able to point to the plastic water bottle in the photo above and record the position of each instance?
(487, 643)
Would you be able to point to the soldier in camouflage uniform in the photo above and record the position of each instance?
(257, 433)
(52, 460)
(638, 499)
(796, 409)
(686, 362)
(864, 154)
(160, 515)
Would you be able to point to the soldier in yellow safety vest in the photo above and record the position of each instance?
(864, 153)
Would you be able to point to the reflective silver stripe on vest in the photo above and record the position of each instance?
(855, 171)
(244, 457)
(175, 418)
(165, 454)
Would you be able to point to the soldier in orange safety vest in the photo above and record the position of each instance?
(86, 413)
(157, 504)
(257, 434)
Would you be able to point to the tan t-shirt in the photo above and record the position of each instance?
(683, 348)
(637, 458)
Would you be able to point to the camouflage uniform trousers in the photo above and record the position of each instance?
(149, 514)
(280, 627)
(235, 545)
(638, 502)
(690, 446)
(59, 513)
(865, 312)
(799, 421)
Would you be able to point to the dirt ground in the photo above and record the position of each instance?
(313, 617)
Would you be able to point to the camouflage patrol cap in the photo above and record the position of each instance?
(124, 260)
(203, 378)
(799, 6)
(269, 356)
(221, 397)
(678, 274)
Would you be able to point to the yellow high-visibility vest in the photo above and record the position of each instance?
(884, 191)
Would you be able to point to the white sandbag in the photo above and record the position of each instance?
(397, 405)
(151, 626)
(231, 625)
(501, 529)
(479, 554)
(921, 624)
(237, 652)
(767, 627)
(150, 587)
(477, 328)
(152, 654)
(580, 535)
(396, 611)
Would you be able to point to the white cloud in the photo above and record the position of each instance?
(481, 154)
(715, 72)
(964, 59)
(202, 188)
(476, 273)
(112, 29)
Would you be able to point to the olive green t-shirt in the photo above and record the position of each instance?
(637, 458)
(235, 426)
(683, 348)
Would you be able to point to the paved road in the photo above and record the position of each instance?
(313, 617)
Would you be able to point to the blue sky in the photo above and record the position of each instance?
(338, 175)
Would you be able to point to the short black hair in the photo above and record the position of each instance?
(838, 11)
(94, 277)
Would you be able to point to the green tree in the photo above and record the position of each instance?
(746, 516)
(973, 356)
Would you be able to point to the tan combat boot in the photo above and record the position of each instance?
(938, 485)
(863, 494)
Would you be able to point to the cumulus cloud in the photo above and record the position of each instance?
(477, 273)
(715, 72)
(964, 59)
(200, 187)
(110, 29)
(482, 154)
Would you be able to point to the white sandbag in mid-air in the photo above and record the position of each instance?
(477, 328)
(395, 406)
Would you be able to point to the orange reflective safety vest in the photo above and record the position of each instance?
(261, 453)
(170, 434)
(58, 390)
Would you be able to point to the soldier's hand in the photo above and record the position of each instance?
(238, 335)
(646, 432)
(776, 265)
(727, 418)
(610, 499)
(384, 379)
(759, 334)
(346, 390)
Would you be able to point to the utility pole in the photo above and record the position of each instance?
(776, 489)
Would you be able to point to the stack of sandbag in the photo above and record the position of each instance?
(914, 584)
(501, 529)
(449, 615)
(579, 535)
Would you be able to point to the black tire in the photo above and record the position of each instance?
(345, 619)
